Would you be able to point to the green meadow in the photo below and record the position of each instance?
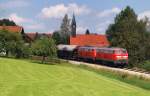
(26, 78)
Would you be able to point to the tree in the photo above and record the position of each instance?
(6, 41)
(65, 30)
(127, 32)
(12, 44)
(87, 32)
(7, 22)
(56, 36)
(44, 47)
(2, 41)
(20, 49)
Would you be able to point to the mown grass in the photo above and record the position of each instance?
(25, 78)
(124, 77)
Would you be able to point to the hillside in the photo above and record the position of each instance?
(24, 78)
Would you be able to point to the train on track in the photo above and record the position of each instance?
(111, 56)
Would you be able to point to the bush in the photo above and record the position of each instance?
(145, 65)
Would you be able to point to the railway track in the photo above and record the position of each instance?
(131, 71)
(137, 70)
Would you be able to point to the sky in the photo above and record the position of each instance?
(46, 15)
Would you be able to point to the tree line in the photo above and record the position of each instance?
(126, 32)
(130, 33)
(14, 45)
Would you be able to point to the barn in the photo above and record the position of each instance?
(89, 40)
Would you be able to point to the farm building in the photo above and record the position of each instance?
(16, 29)
(89, 40)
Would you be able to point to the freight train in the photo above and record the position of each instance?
(111, 56)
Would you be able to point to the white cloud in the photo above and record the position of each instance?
(18, 19)
(58, 11)
(105, 23)
(14, 4)
(78, 10)
(38, 26)
(81, 29)
(144, 14)
(54, 11)
(101, 28)
(109, 12)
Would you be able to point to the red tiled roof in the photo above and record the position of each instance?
(32, 35)
(17, 29)
(89, 40)
(48, 34)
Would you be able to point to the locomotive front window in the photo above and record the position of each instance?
(120, 51)
(124, 51)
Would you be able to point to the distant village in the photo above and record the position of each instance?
(87, 39)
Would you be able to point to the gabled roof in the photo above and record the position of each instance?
(33, 35)
(17, 29)
(89, 40)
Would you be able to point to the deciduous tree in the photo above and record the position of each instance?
(130, 33)
(44, 47)
(65, 30)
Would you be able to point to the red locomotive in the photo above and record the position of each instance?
(115, 56)
(86, 53)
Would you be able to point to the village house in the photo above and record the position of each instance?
(75, 39)
(32, 36)
(16, 29)
(86, 39)
(28, 36)
(89, 40)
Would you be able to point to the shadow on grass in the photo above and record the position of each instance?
(45, 63)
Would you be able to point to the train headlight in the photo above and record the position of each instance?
(125, 57)
(122, 57)
(118, 57)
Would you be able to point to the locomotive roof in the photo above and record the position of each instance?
(106, 48)
(113, 48)
(88, 47)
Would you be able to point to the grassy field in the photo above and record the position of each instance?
(23, 78)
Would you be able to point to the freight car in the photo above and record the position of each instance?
(67, 51)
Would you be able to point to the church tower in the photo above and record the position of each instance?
(73, 26)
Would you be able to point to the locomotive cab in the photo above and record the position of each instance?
(120, 56)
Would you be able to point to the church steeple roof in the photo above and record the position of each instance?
(73, 26)
(73, 20)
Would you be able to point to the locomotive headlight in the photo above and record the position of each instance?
(125, 57)
(118, 57)
(122, 57)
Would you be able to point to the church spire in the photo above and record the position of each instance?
(73, 26)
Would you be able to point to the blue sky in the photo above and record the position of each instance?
(46, 15)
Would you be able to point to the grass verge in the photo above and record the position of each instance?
(124, 77)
